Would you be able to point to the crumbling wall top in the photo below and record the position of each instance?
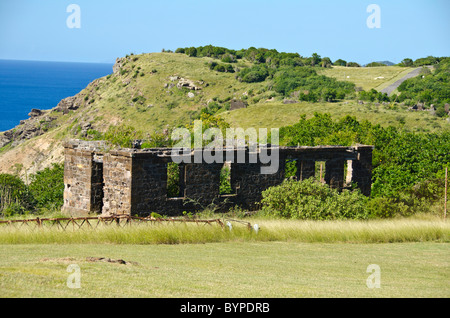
(95, 146)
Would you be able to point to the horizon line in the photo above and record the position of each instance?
(54, 61)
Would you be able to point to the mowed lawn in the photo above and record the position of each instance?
(227, 269)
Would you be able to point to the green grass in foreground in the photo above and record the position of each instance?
(374, 231)
(284, 259)
(229, 270)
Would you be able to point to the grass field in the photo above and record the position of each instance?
(229, 270)
(284, 259)
(368, 77)
(276, 114)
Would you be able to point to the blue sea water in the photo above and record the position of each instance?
(35, 84)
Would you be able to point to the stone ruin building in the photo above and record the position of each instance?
(134, 181)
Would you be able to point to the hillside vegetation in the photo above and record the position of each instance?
(148, 95)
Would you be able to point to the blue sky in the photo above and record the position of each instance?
(37, 29)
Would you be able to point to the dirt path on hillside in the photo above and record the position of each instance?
(388, 90)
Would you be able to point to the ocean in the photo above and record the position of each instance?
(25, 85)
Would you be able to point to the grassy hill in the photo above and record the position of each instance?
(276, 114)
(155, 91)
(368, 77)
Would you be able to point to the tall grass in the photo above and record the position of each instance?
(374, 231)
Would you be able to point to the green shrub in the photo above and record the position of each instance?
(225, 184)
(93, 134)
(228, 58)
(340, 62)
(192, 51)
(257, 73)
(310, 199)
(139, 99)
(47, 187)
(219, 68)
(122, 135)
(173, 177)
(374, 64)
(429, 88)
(303, 79)
(382, 207)
(15, 197)
(228, 68)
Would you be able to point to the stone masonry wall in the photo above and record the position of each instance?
(77, 181)
(362, 169)
(83, 178)
(117, 183)
(149, 185)
(203, 182)
(134, 181)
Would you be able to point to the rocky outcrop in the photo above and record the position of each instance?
(237, 104)
(187, 83)
(4, 140)
(119, 63)
(39, 122)
(68, 104)
(290, 101)
(35, 112)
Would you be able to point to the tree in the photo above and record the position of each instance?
(326, 62)
(407, 62)
(340, 62)
(192, 51)
(228, 58)
(260, 58)
(353, 64)
(429, 60)
(375, 64)
(14, 195)
(315, 59)
(47, 187)
(329, 94)
(257, 73)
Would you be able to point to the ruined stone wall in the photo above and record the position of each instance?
(134, 181)
(149, 185)
(362, 169)
(248, 183)
(202, 182)
(83, 178)
(117, 183)
(77, 181)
